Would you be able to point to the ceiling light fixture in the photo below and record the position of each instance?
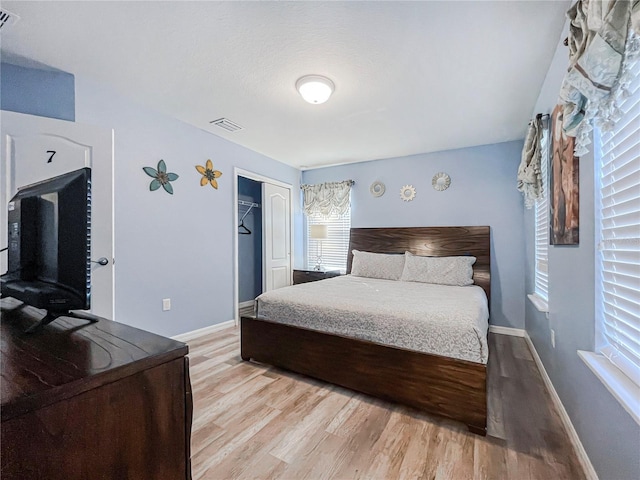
(315, 88)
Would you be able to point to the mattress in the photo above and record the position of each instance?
(436, 319)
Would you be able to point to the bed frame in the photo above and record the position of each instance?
(452, 388)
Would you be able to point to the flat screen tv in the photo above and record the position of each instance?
(49, 245)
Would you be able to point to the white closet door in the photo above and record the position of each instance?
(276, 202)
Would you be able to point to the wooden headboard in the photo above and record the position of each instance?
(430, 241)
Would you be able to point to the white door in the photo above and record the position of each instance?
(37, 148)
(276, 207)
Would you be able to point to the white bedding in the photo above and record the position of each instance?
(437, 319)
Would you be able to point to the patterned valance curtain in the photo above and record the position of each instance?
(327, 198)
(603, 42)
(529, 171)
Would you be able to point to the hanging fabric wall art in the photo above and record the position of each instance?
(327, 198)
(564, 185)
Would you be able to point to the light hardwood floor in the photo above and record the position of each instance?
(256, 421)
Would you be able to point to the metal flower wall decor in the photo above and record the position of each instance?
(377, 189)
(441, 181)
(209, 175)
(160, 177)
(407, 193)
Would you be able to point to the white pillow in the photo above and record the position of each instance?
(439, 270)
(377, 265)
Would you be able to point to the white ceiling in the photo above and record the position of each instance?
(411, 77)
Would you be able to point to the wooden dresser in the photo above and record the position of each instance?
(92, 401)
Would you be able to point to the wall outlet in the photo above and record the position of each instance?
(166, 304)
(553, 338)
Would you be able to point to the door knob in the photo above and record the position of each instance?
(101, 261)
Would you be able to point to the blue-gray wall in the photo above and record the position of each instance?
(482, 192)
(250, 246)
(176, 246)
(609, 435)
(46, 93)
(181, 245)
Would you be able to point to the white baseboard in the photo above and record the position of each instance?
(246, 304)
(192, 335)
(514, 332)
(583, 458)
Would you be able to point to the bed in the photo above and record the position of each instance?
(449, 382)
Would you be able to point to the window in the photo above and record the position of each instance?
(542, 227)
(335, 247)
(618, 238)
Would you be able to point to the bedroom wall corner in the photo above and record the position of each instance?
(37, 91)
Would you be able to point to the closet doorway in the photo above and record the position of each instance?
(263, 239)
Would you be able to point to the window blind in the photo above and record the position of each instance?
(618, 236)
(336, 246)
(542, 224)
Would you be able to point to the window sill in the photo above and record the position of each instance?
(539, 302)
(619, 385)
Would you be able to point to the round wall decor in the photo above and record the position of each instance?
(377, 189)
(441, 181)
(408, 193)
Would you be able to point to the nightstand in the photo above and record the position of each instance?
(304, 276)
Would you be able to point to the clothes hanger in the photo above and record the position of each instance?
(242, 230)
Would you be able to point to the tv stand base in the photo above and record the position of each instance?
(51, 316)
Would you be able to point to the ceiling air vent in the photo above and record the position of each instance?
(226, 124)
(7, 19)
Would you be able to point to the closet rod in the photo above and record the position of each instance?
(248, 204)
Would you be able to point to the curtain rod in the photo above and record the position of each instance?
(248, 204)
(351, 183)
(540, 116)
